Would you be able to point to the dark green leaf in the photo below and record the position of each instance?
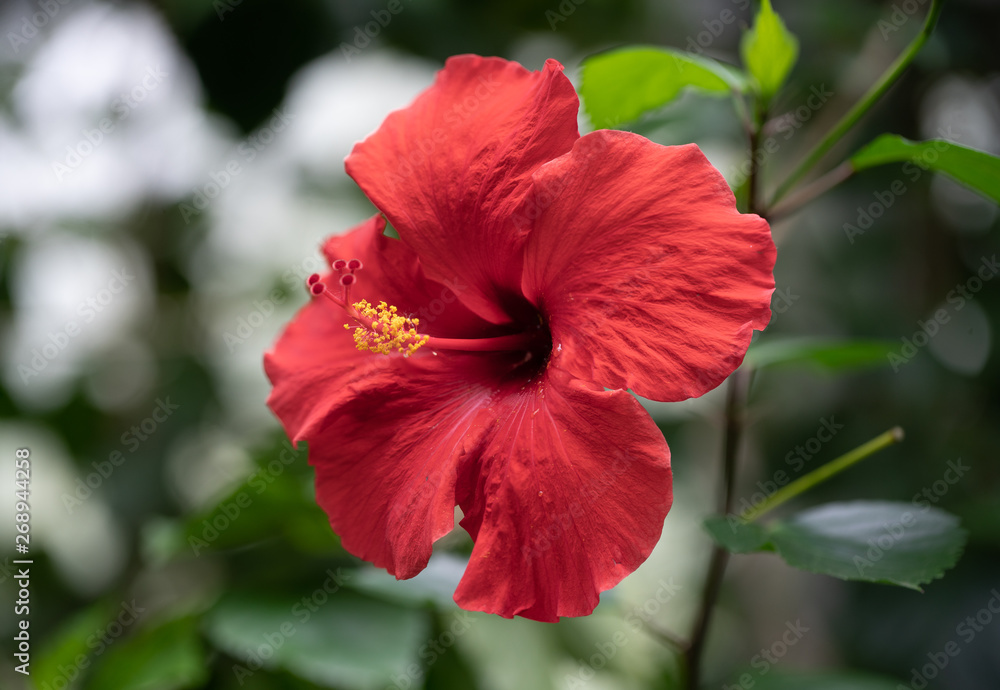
(167, 657)
(621, 85)
(736, 536)
(769, 51)
(893, 543)
(828, 354)
(347, 641)
(275, 501)
(890, 543)
(976, 170)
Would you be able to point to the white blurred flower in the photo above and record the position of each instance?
(105, 115)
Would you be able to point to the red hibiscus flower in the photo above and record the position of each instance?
(489, 351)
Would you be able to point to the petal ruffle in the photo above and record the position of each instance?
(649, 276)
(568, 498)
(450, 170)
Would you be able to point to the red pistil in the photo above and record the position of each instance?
(502, 343)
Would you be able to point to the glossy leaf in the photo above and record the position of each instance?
(769, 51)
(894, 543)
(976, 170)
(622, 85)
(735, 535)
(890, 543)
(339, 640)
(828, 354)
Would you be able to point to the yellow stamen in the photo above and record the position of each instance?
(388, 331)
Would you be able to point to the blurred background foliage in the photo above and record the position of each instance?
(176, 540)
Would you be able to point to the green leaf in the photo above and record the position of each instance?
(872, 541)
(823, 681)
(168, 657)
(892, 543)
(769, 51)
(833, 355)
(343, 640)
(277, 500)
(621, 85)
(68, 650)
(736, 536)
(976, 170)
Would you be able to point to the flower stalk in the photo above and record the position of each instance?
(821, 474)
(736, 391)
(851, 117)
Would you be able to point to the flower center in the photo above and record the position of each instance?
(381, 329)
(385, 330)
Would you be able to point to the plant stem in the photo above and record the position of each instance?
(753, 177)
(735, 396)
(810, 191)
(821, 474)
(736, 391)
(667, 638)
(862, 106)
(754, 180)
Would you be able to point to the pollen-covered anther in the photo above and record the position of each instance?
(389, 331)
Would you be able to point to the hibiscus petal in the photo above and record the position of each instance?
(450, 170)
(392, 273)
(387, 463)
(569, 498)
(315, 366)
(649, 276)
(312, 367)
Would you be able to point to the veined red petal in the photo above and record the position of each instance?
(313, 366)
(392, 273)
(568, 498)
(649, 276)
(451, 170)
(387, 463)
